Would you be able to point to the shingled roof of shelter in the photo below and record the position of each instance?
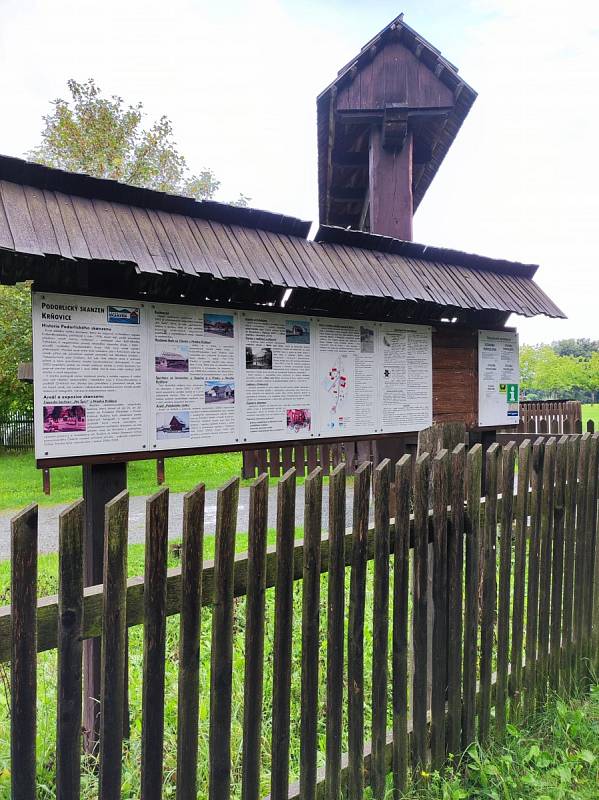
(47, 214)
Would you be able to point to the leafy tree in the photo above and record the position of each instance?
(579, 348)
(104, 137)
(15, 346)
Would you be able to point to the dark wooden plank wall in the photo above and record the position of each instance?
(394, 75)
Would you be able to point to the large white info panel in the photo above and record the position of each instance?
(90, 376)
(126, 376)
(498, 378)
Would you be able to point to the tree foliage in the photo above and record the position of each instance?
(104, 137)
(569, 368)
(15, 346)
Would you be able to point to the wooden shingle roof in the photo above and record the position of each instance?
(161, 235)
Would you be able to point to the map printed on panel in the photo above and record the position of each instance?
(347, 377)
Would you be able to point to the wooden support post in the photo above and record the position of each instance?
(46, 480)
(159, 471)
(390, 191)
(101, 482)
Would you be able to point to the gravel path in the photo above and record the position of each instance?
(48, 517)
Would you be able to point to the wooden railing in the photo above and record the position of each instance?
(16, 432)
(515, 612)
(551, 416)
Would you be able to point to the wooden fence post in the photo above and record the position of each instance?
(471, 586)
(310, 633)
(70, 652)
(545, 553)
(23, 676)
(114, 622)
(524, 457)
(455, 559)
(152, 723)
(355, 635)
(380, 626)
(401, 568)
(281, 689)
(504, 593)
(189, 643)
(439, 648)
(335, 632)
(101, 483)
(254, 639)
(221, 657)
(489, 591)
(419, 613)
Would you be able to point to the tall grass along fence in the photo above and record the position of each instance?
(323, 666)
(16, 432)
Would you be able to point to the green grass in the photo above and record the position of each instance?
(21, 482)
(590, 411)
(554, 756)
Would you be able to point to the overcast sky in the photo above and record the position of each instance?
(240, 79)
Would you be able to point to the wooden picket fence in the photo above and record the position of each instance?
(515, 594)
(550, 416)
(16, 432)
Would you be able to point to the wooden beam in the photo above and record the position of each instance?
(350, 159)
(391, 199)
(349, 194)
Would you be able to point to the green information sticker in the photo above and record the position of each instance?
(512, 393)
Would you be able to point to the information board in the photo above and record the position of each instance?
(128, 376)
(498, 378)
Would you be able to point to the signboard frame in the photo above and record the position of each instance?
(131, 454)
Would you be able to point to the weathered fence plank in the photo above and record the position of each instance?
(545, 554)
(310, 633)
(455, 558)
(439, 654)
(355, 634)
(70, 652)
(504, 592)
(254, 638)
(489, 591)
(471, 587)
(581, 552)
(401, 566)
(281, 691)
(419, 613)
(380, 627)
(192, 549)
(335, 631)
(569, 558)
(152, 726)
(221, 657)
(532, 606)
(23, 649)
(114, 639)
(557, 567)
(524, 459)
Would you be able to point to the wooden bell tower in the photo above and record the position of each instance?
(384, 126)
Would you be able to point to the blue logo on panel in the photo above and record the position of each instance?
(124, 316)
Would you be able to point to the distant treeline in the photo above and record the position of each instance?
(566, 368)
